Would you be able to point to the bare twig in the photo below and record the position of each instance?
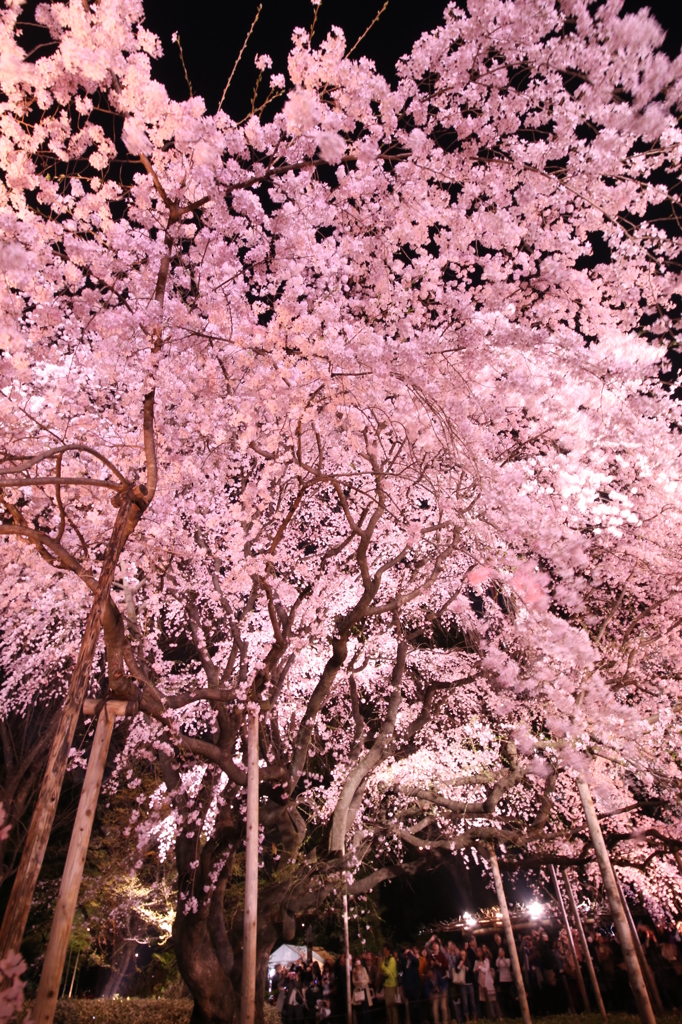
(182, 61)
(239, 56)
(368, 29)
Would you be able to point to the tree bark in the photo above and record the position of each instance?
(53, 965)
(122, 960)
(586, 949)
(249, 954)
(569, 936)
(620, 921)
(19, 905)
(203, 967)
(509, 933)
(678, 859)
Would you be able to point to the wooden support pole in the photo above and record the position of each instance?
(509, 934)
(646, 970)
(346, 949)
(65, 980)
(16, 913)
(73, 976)
(586, 949)
(569, 936)
(620, 921)
(53, 965)
(249, 960)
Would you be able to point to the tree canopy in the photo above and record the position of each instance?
(386, 367)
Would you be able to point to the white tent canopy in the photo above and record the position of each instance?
(287, 954)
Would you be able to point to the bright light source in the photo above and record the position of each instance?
(536, 910)
(469, 920)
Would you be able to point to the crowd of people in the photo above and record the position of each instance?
(443, 982)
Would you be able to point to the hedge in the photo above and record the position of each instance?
(123, 1011)
(132, 1011)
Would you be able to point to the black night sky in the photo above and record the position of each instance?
(212, 33)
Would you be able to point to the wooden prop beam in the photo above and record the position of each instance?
(346, 948)
(641, 956)
(62, 922)
(509, 934)
(585, 945)
(620, 921)
(569, 936)
(19, 905)
(249, 961)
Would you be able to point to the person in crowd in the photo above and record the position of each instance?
(605, 967)
(549, 986)
(371, 964)
(362, 995)
(438, 955)
(481, 970)
(388, 969)
(294, 1003)
(412, 985)
(454, 982)
(327, 983)
(566, 971)
(313, 990)
(444, 984)
(667, 970)
(322, 1010)
(505, 982)
(339, 1003)
(436, 991)
(279, 988)
(467, 990)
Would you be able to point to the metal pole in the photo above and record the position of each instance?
(251, 874)
(509, 932)
(569, 936)
(586, 949)
(53, 965)
(646, 970)
(620, 921)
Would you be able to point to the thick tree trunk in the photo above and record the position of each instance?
(16, 914)
(204, 969)
(121, 963)
(620, 921)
